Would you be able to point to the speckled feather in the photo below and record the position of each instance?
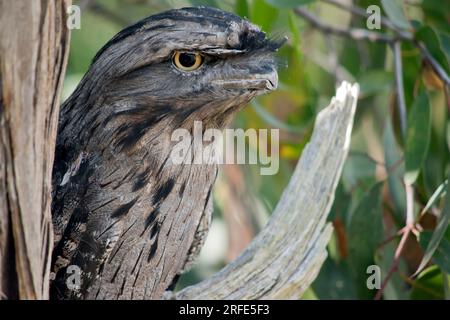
(122, 212)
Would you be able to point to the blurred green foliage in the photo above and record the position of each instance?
(370, 203)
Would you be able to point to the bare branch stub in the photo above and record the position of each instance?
(34, 44)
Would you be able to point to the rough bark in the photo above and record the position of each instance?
(34, 44)
(286, 256)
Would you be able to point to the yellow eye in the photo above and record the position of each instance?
(187, 61)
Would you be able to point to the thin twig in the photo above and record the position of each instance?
(355, 34)
(399, 83)
(409, 205)
(97, 8)
(388, 240)
(333, 59)
(323, 62)
(404, 35)
(434, 64)
(398, 253)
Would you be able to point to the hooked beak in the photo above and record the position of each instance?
(255, 82)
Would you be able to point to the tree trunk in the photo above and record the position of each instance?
(34, 42)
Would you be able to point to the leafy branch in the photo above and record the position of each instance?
(395, 39)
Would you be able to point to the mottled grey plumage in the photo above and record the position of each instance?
(122, 211)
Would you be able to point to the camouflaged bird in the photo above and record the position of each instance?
(123, 213)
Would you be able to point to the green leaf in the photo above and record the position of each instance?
(395, 168)
(418, 137)
(341, 205)
(375, 81)
(364, 235)
(437, 194)
(242, 8)
(359, 170)
(394, 11)
(334, 281)
(429, 285)
(289, 3)
(438, 233)
(442, 254)
(431, 41)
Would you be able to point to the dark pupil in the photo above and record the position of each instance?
(187, 59)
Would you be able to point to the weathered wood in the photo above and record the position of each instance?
(284, 259)
(34, 43)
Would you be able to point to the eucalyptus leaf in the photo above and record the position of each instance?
(209, 3)
(394, 11)
(365, 233)
(429, 285)
(242, 8)
(395, 168)
(418, 137)
(442, 254)
(429, 37)
(438, 233)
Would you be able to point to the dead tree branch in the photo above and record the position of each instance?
(34, 44)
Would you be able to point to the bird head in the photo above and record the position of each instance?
(192, 64)
(166, 72)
